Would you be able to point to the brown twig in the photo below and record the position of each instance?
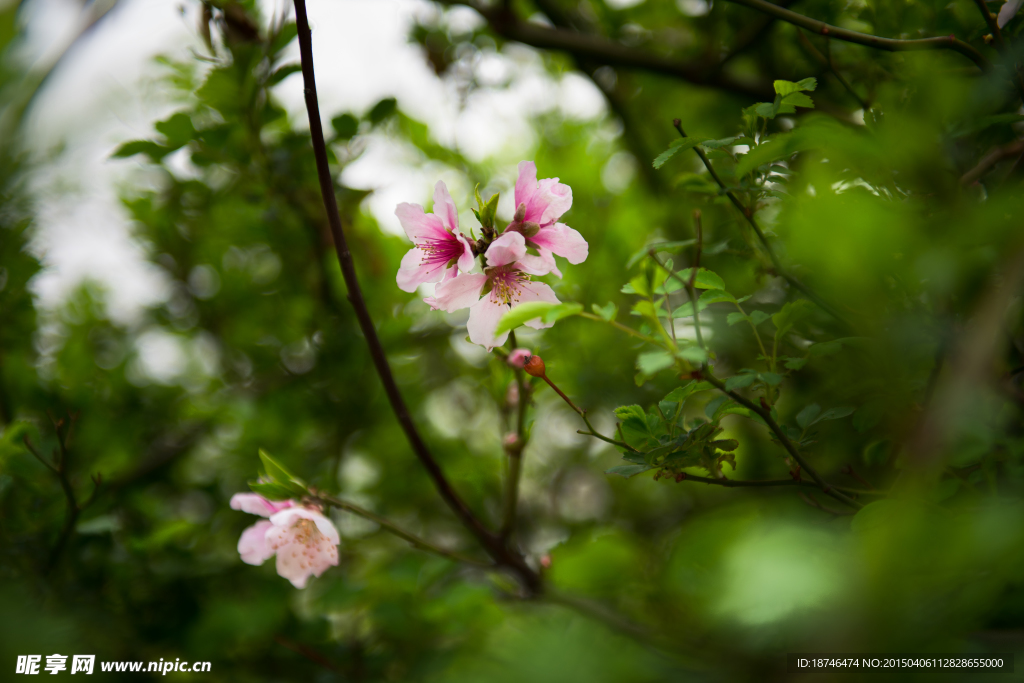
(1014, 149)
(489, 540)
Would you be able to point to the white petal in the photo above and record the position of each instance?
(255, 504)
(252, 545)
(483, 320)
(1008, 11)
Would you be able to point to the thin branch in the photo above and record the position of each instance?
(514, 451)
(619, 326)
(990, 19)
(1014, 149)
(393, 528)
(490, 541)
(826, 488)
(888, 44)
(743, 483)
(749, 215)
(609, 52)
(812, 501)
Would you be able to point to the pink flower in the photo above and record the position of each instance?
(304, 540)
(440, 250)
(518, 358)
(539, 205)
(504, 284)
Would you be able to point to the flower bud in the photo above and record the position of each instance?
(510, 440)
(518, 358)
(535, 366)
(512, 395)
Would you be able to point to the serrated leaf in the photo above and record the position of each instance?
(705, 279)
(652, 362)
(725, 445)
(758, 317)
(791, 313)
(805, 418)
(675, 147)
(784, 88)
(627, 471)
(797, 99)
(795, 363)
(717, 144)
(770, 378)
(606, 312)
(740, 381)
(714, 296)
(834, 414)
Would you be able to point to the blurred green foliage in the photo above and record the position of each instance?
(864, 175)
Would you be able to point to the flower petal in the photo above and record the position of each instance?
(1008, 11)
(564, 241)
(508, 248)
(414, 272)
(460, 292)
(255, 504)
(418, 224)
(467, 260)
(483, 321)
(526, 183)
(444, 206)
(252, 545)
(545, 201)
(539, 265)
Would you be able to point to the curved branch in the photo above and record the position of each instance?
(490, 541)
(889, 44)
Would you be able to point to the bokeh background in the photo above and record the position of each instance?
(168, 287)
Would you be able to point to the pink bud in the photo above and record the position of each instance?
(546, 562)
(510, 440)
(519, 358)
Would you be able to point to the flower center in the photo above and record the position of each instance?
(506, 284)
(440, 250)
(305, 532)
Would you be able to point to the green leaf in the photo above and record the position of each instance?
(638, 285)
(713, 405)
(725, 444)
(178, 130)
(382, 110)
(784, 88)
(734, 318)
(675, 147)
(488, 210)
(694, 354)
(780, 146)
(805, 418)
(547, 312)
(271, 491)
(797, 99)
(684, 392)
(795, 363)
(282, 73)
(758, 317)
(345, 126)
(835, 414)
(627, 471)
(686, 310)
(790, 314)
(714, 296)
(705, 279)
(717, 144)
(275, 470)
(607, 312)
(824, 348)
(652, 362)
(739, 381)
(151, 149)
(770, 378)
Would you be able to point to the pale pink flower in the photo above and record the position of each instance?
(304, 540)
(440, 250)
(504, 284)
(539, 205)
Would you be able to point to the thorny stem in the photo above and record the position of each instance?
(495, 547)
(393, 528)
(749, 215)
(826, 488)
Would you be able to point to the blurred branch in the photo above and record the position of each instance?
(1014, 149)
(609, 52)
(765, 415)
(490, 541)
(810, 500)
(514, 452)
(307, 652)
(993, 25)
(830, 64)
(888, 44)
(393, 528)
(59, 467)
(749, 215)
(751, 34)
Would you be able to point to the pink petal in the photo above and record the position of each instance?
(546, 200)
(414, 272)
(537, 291)
(419, 225)
(467, 260)
(564, 241)
(483, 321)
(288, 518)
(444, 206)
(459, 292)
(508, 248)
(1008, 11)
(539, 265)
(526, 183)
(518, 358)
(255, 504)
(252, 545)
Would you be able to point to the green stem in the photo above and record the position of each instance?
(619, 326)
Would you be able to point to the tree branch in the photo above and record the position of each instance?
(487, 539)
(826, 488)
(749, 215)
(889, 44)
(609, 52)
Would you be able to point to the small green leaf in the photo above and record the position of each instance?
(178, 130)
(705, 279)
(607, 312)
(282, 73)
(694, 354)
(734, 318)
(790, 314)
(675, 147)
(835, 414)
(714, 296)
(382, 110)
(784, 88)
(795, 363)
(532, 310)
(758, 317)
(627, 471)
(684, 392)
(652, 362)
(739, 381)
(151, 149)
(345, 126)
(806, 417)
(275, 470)
(488, 210)
(638, 285)
(271, 491)
(770, 378)
(686, 310)
(725, 444)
